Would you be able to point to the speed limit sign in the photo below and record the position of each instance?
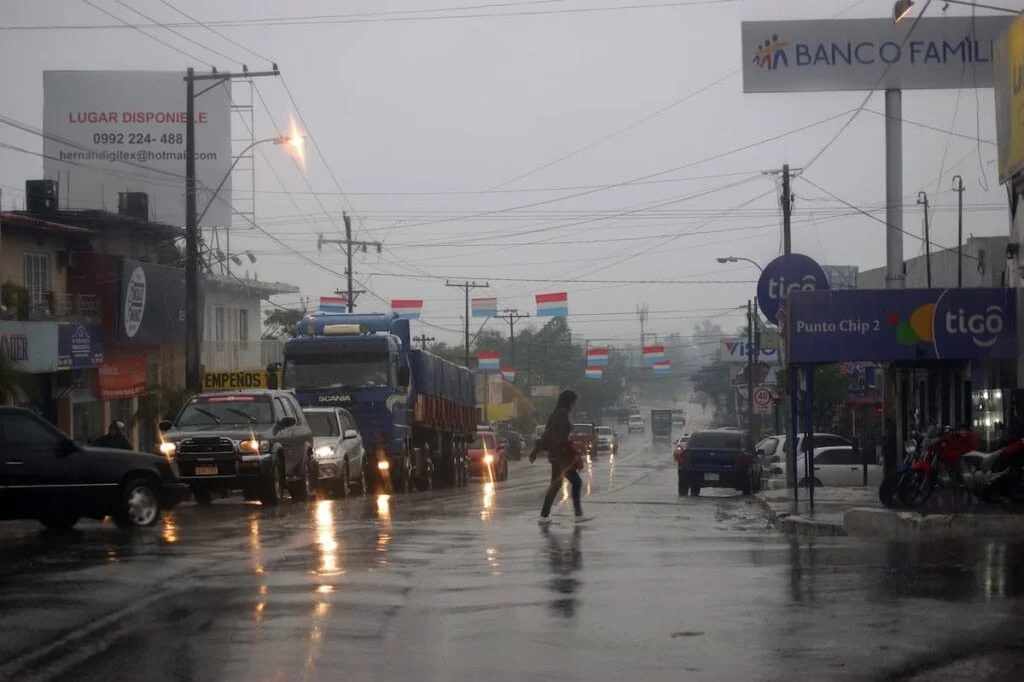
(763, 400)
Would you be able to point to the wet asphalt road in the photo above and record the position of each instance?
(463, 585)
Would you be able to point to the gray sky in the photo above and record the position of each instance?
(419, 119)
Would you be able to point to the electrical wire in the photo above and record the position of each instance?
(148, 35)
(174, 31)
(217, 33)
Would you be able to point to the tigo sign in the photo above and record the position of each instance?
(783, 276)
(869, 54)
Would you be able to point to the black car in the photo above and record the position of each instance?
(718, 458)
(257, 441)
(47, 476)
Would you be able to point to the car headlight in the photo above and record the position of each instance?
(324, 451)
(168, 449)
(254, 446)
(488, 459)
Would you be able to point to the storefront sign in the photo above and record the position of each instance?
(32, 346)
(905, 324)
(152, 303)
(79, 346)
(784, 275)
(1009, 91)
(737, 351)
(122, 377)
(237, 379)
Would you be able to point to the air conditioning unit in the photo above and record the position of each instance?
(41, 196)
(133, 205)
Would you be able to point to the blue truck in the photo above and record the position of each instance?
(416, 412)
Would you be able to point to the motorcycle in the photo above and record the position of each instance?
(991, 476)
(940, 465)
(889, 492)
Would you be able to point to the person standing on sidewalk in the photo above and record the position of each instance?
(565, 461)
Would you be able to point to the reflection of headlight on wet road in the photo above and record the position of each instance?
(488, 459)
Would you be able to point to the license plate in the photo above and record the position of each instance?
(206, 470)
(710, 477)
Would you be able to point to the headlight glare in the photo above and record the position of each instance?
(324, 451)
(168, 448)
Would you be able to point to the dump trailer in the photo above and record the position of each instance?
(416, 412)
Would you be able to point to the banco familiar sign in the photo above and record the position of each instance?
(869, 54)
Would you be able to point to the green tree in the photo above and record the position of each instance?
(831, 389)
(280, 322)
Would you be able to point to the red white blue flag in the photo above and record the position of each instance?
(407, 308)
(661, 368)
(488, 360)
(333, 305)
(597, 357)
(553, 305)
(594, 373)
(508, 374)
(653, 354)
(484, 307)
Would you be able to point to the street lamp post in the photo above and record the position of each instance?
(737, 259)
(901, 8)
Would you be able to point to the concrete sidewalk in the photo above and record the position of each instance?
(857, 511)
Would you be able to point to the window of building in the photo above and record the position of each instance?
(243, 325)
(220, 324)
(36, 269)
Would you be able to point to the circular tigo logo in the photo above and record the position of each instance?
(134, 302)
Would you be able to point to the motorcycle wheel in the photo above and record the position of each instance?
(916, 489)
(889, 490)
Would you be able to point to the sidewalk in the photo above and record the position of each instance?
(856, 511)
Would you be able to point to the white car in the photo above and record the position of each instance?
(338, 449)
(635, 424)
(773, 450)
(607, 441)
(839, 466)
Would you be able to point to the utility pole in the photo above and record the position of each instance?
(787, 212)
(467, 286)
(512, 315)
(349, 245)
(958, 187)
(751, 366)
(193, 330)
(922, 200)
(423, 340)
(641, 314)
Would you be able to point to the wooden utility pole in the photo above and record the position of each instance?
(512, 315)
(349, 245)
(467, 286)
(423, 340)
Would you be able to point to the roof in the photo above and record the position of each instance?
(95, 221)
(262, 289)
(31, 222)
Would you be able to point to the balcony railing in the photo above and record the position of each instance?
(232, 355)
(55, 306)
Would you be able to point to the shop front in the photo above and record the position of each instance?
(121, 382)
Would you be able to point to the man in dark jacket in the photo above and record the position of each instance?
(562, 456)
(114, 438)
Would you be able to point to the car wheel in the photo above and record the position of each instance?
(364, 475)
(272, 490)
(695, 491)
(346, 479)
(59, 522)
(407, 474)
(140, 504)
(429, 480)
(803, 483)
(202, 496)
(302, 491)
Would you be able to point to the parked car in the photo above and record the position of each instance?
(772, 450)
(839, 466)
(607, 440)
(718, 458)
(584, 437)
(44, 475)
(338, 450)
(487, 455)
(635, 424)
(256, 441)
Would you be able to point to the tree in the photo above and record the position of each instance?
(831, 389)
(280, 322)
(170, 253)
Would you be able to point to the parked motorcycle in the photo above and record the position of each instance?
(890, 491)
(939, 466)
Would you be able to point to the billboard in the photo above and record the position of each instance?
(869, 54)
(905, 324)
(1009, 90)
(31, 346)
(124, 131)
(151, 303)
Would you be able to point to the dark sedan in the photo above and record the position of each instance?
(721, 458)
(44, 475)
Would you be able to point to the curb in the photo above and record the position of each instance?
(904, 525)
(798, 525)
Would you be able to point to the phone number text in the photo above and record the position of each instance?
(138, 138)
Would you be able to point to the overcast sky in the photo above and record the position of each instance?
(425, 124)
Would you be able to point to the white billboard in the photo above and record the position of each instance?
(869, 54)
(124, 131)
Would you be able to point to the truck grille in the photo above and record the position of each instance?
(210, 445)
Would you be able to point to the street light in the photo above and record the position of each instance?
(901, 8)
(737, 259)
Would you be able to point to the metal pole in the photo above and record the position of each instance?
(922, 198)
(757, 364)
(348, 260)
(787, 237)
(192, 329)
(958, 187)
(787, 244)
(750, 372)
(893, 257)
(809, 438)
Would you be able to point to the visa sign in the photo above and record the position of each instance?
(736, 351)
(783, 276)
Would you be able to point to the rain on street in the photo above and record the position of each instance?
(462, 584)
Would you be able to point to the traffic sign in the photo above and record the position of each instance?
(763, 400)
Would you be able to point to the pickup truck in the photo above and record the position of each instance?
(584, 436)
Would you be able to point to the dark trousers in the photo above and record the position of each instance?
(559, 471)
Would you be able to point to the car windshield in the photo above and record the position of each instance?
(604, 430)
(721, 440)
(583, 429)
(483, 441)
(769, 445)
(350, 371)
(636, 419)
(323, 423)
(234, 409)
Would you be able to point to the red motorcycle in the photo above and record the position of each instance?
(995, 476)
(940, 465)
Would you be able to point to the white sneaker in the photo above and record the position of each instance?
(544, 521)
(584, 519)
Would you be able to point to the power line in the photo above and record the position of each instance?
(175, 31)
(216, 32)
(139, 29)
